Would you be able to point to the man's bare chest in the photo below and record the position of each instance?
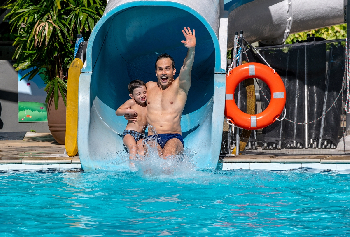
(162, 99)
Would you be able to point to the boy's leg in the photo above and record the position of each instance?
(173, 147)
(140, 148)
(130, 143)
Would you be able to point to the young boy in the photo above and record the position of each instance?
(135, 111)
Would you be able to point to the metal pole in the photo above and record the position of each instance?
(296, 99)
(239, 89)
(234, 52)
(325, 97)
(233, 55)
(306, 92)
(347, 20)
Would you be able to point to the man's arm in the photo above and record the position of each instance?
(185, 72)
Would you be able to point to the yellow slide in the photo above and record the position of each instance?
(71, 143)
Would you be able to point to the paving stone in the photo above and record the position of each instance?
(40, 148)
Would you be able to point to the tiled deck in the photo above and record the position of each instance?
(35, 152)
(41, 152)
(335, 162)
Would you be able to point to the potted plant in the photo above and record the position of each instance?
(45, 36)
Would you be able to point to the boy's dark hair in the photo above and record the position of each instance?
(165, 55)
(135, 84)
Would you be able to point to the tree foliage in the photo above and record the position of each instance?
(328, 33)
(45, 35)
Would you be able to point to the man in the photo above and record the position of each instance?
(167, 97)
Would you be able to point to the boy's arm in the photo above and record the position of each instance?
(185, 72)
(126, 111)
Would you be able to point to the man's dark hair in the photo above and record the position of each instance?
(135, 84)
(165, 55)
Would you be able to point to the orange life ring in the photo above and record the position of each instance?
(278, 96)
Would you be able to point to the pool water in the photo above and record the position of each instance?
(230, 203)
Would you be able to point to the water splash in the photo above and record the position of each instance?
(153, 165)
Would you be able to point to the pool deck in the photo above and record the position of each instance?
(290, 159)
(39, 151)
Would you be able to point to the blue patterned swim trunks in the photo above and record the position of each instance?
(162, 139)
(136, 135)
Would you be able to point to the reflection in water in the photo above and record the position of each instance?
(82, 222)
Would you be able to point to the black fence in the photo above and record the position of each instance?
(313, 74)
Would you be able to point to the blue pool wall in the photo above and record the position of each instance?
(124, 46)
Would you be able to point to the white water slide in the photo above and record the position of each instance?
(126, 41)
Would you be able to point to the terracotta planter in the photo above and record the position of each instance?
(57, 119)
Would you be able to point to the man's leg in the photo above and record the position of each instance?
(152, 143)
(173, 147)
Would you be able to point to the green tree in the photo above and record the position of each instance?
(328, 33)
(45, 36)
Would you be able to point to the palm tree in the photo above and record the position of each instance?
(45, 36)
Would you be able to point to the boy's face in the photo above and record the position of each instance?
(139, 95)
(165, 72)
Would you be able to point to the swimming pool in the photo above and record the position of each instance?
(225, 203)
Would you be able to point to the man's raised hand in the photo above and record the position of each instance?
(190, 41)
